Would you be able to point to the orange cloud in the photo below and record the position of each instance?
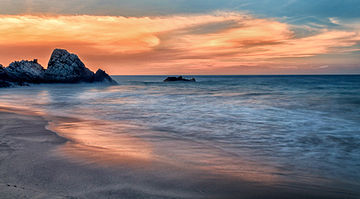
(168, 44)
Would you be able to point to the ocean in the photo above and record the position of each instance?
(291, 132)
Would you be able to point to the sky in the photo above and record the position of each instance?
(189, 37)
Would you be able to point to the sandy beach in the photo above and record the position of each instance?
(32, 167)
(29, 167)
(25, 156)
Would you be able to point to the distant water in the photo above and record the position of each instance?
(301, 131)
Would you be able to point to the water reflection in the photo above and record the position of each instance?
(92, 141)
(112, 144)
(269, 130)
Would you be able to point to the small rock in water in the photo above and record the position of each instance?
(102, 76)
(180, 78)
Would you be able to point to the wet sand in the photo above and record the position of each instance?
(32, 167)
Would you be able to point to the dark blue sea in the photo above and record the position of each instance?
(286, 132)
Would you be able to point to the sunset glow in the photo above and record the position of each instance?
(210, 43)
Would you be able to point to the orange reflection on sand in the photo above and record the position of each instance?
(94, 142)
(91, 143)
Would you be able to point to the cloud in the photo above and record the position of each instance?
(324, 66)
(169, 44)
(334, 20)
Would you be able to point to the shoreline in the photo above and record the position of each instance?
(24, 139)
(30, 166)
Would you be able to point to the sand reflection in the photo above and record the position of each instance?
(91, 142)
(106, 143)
(95, 142)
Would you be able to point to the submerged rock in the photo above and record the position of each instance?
(65, 67)
(180, 78)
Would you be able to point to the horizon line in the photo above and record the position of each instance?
(353, 74)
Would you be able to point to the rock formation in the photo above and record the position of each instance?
(63, 67)
(180, 78)
(4, 77)
(26, 71)
(6, 80)
(3, 73)
(102, 76)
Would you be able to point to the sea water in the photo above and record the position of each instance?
(277, 130)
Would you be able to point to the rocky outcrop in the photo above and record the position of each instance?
(26, 71)
(3, 73)
(180, 78)
(4, 78)
(102, 76)
(63, 67)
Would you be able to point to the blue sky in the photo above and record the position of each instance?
(269, 8)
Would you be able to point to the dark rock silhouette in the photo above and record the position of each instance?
(180, 78)
(4, 76)
(6, 80)
(5, 84)
(63, 67)
(26, 71)
(102, 76)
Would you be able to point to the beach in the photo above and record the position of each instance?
(26, 156)
(30, 168)
(91, 141)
